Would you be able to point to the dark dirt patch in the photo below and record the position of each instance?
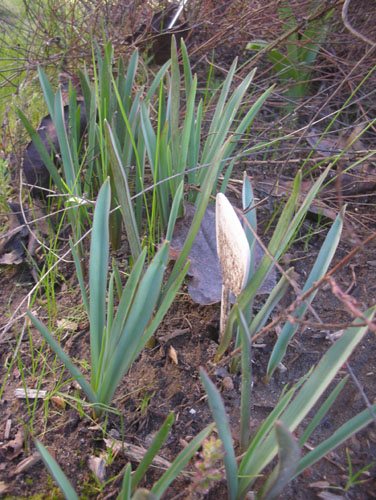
(156, 386)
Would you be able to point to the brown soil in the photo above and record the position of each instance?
(192, 332)
(157, 384)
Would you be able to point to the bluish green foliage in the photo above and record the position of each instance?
(275, 434)
(132, 131)
(116, 339)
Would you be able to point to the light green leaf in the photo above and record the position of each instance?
(289, 455)
(123, 194)
(219, 414)
(66, 154)
(125, 492)
(174, 104)
(73, 370)
(273, 299)
(187, 67)
(259, 437)
(245, 403)
(156, 82)
(174, 210)
(57, 473)
(218, 115)
(347, 430)
(153, 449)
(180, 462)
(324, 408)
(325, 371)
(126, 94)
(187, 128)
(248, 204)
(47, 92)
(320, 267)
(149, 136)
(126, 301)
(80, 277)
(307, 397)
(98, 270)
(139, 316)
(162, 307)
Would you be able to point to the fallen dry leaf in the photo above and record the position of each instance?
(26, 464)
(205, 287)
(20, 243)
(327, 495)
(68, 325)
(13, 243)
(173, 355)
(58, 402)
(14, 447)
(136, 453)
(98, 466)
(3, 487)
(319, 484)
(22, 393)
(8, 426)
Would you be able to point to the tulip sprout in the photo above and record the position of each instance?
(234, 255)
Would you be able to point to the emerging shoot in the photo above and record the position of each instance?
(234, 255)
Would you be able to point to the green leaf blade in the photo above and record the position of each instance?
(73, 370)
(289, 456)
(98, 271)
(57, 472)
(219, 414)
(123, 194)
(320, 267)
(153, 449)
(180, 462)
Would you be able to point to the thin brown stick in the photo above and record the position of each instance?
(316, 285)
(356, 33)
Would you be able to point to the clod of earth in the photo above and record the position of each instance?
(35, 170)
(165, 24)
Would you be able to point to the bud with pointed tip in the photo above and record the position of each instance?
(233, 252)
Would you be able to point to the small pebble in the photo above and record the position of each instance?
(228, 384)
